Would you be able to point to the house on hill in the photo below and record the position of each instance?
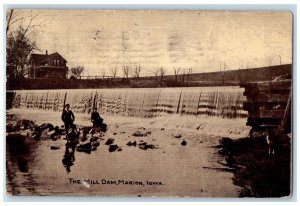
(47, 66)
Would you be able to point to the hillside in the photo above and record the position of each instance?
(223, 78)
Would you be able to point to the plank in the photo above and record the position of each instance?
(276, 114)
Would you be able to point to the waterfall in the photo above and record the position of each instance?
(226, 102)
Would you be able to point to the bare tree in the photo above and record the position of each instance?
(183, 77)
(156, 74)
(19, 45)
(270, 59)
(162, 73)
(279, 59)
(13, 17)
(223, 73)
(126, 71)
(103, 72)
(176, 71)
(188, 75)
(77, 71)
(114, 71)
(136, 71)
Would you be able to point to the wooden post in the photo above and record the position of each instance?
(65, 100)
(285, 116)
(178, 105)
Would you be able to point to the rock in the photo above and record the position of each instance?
(51, 132)
(16, 127)
(122, 132)
(162, 129)
(183, 143)
(83, 138)
(145, 146)
(28, 124)
(114, 133)
(139, 133)
(148, 132)
(36, 136)
(95, 144)
(94, 139)
(120, 149)
(110, 141)
(44, 135)
(131, 143)
(25, 133)
(113, 147)
(55, 137)
(97, 135)
(9, 128)
(54, 147)
(48, 126)
(85, 147)
(177, 135)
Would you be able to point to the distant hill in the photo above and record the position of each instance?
(223, 78)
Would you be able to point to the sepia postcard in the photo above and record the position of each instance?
(149, 103)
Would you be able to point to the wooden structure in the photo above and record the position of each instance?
(269, 105)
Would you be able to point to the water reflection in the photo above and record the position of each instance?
(69, 156)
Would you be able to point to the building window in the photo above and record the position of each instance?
(56, 62)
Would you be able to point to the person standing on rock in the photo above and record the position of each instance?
(96, 119)
(68, 118)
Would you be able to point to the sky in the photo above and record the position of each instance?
(202, 40)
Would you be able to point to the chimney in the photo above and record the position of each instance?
(46, 52)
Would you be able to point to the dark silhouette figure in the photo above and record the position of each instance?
(96, 119)
(69, 156)
(68, 118)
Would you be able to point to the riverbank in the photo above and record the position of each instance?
(259, 173)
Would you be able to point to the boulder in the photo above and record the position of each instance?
(95, 144)
(55, 137)
(113, 148)
(36, 136)
(183, 143)
(51, 132)
(145, 146)
(131, 143)
(47, 126)
(54, 147)
(94, 139)
(27, 124)
(140, 133)
(176, 135)
(85, 147)
(109, 141)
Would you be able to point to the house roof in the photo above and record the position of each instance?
(42, 57)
